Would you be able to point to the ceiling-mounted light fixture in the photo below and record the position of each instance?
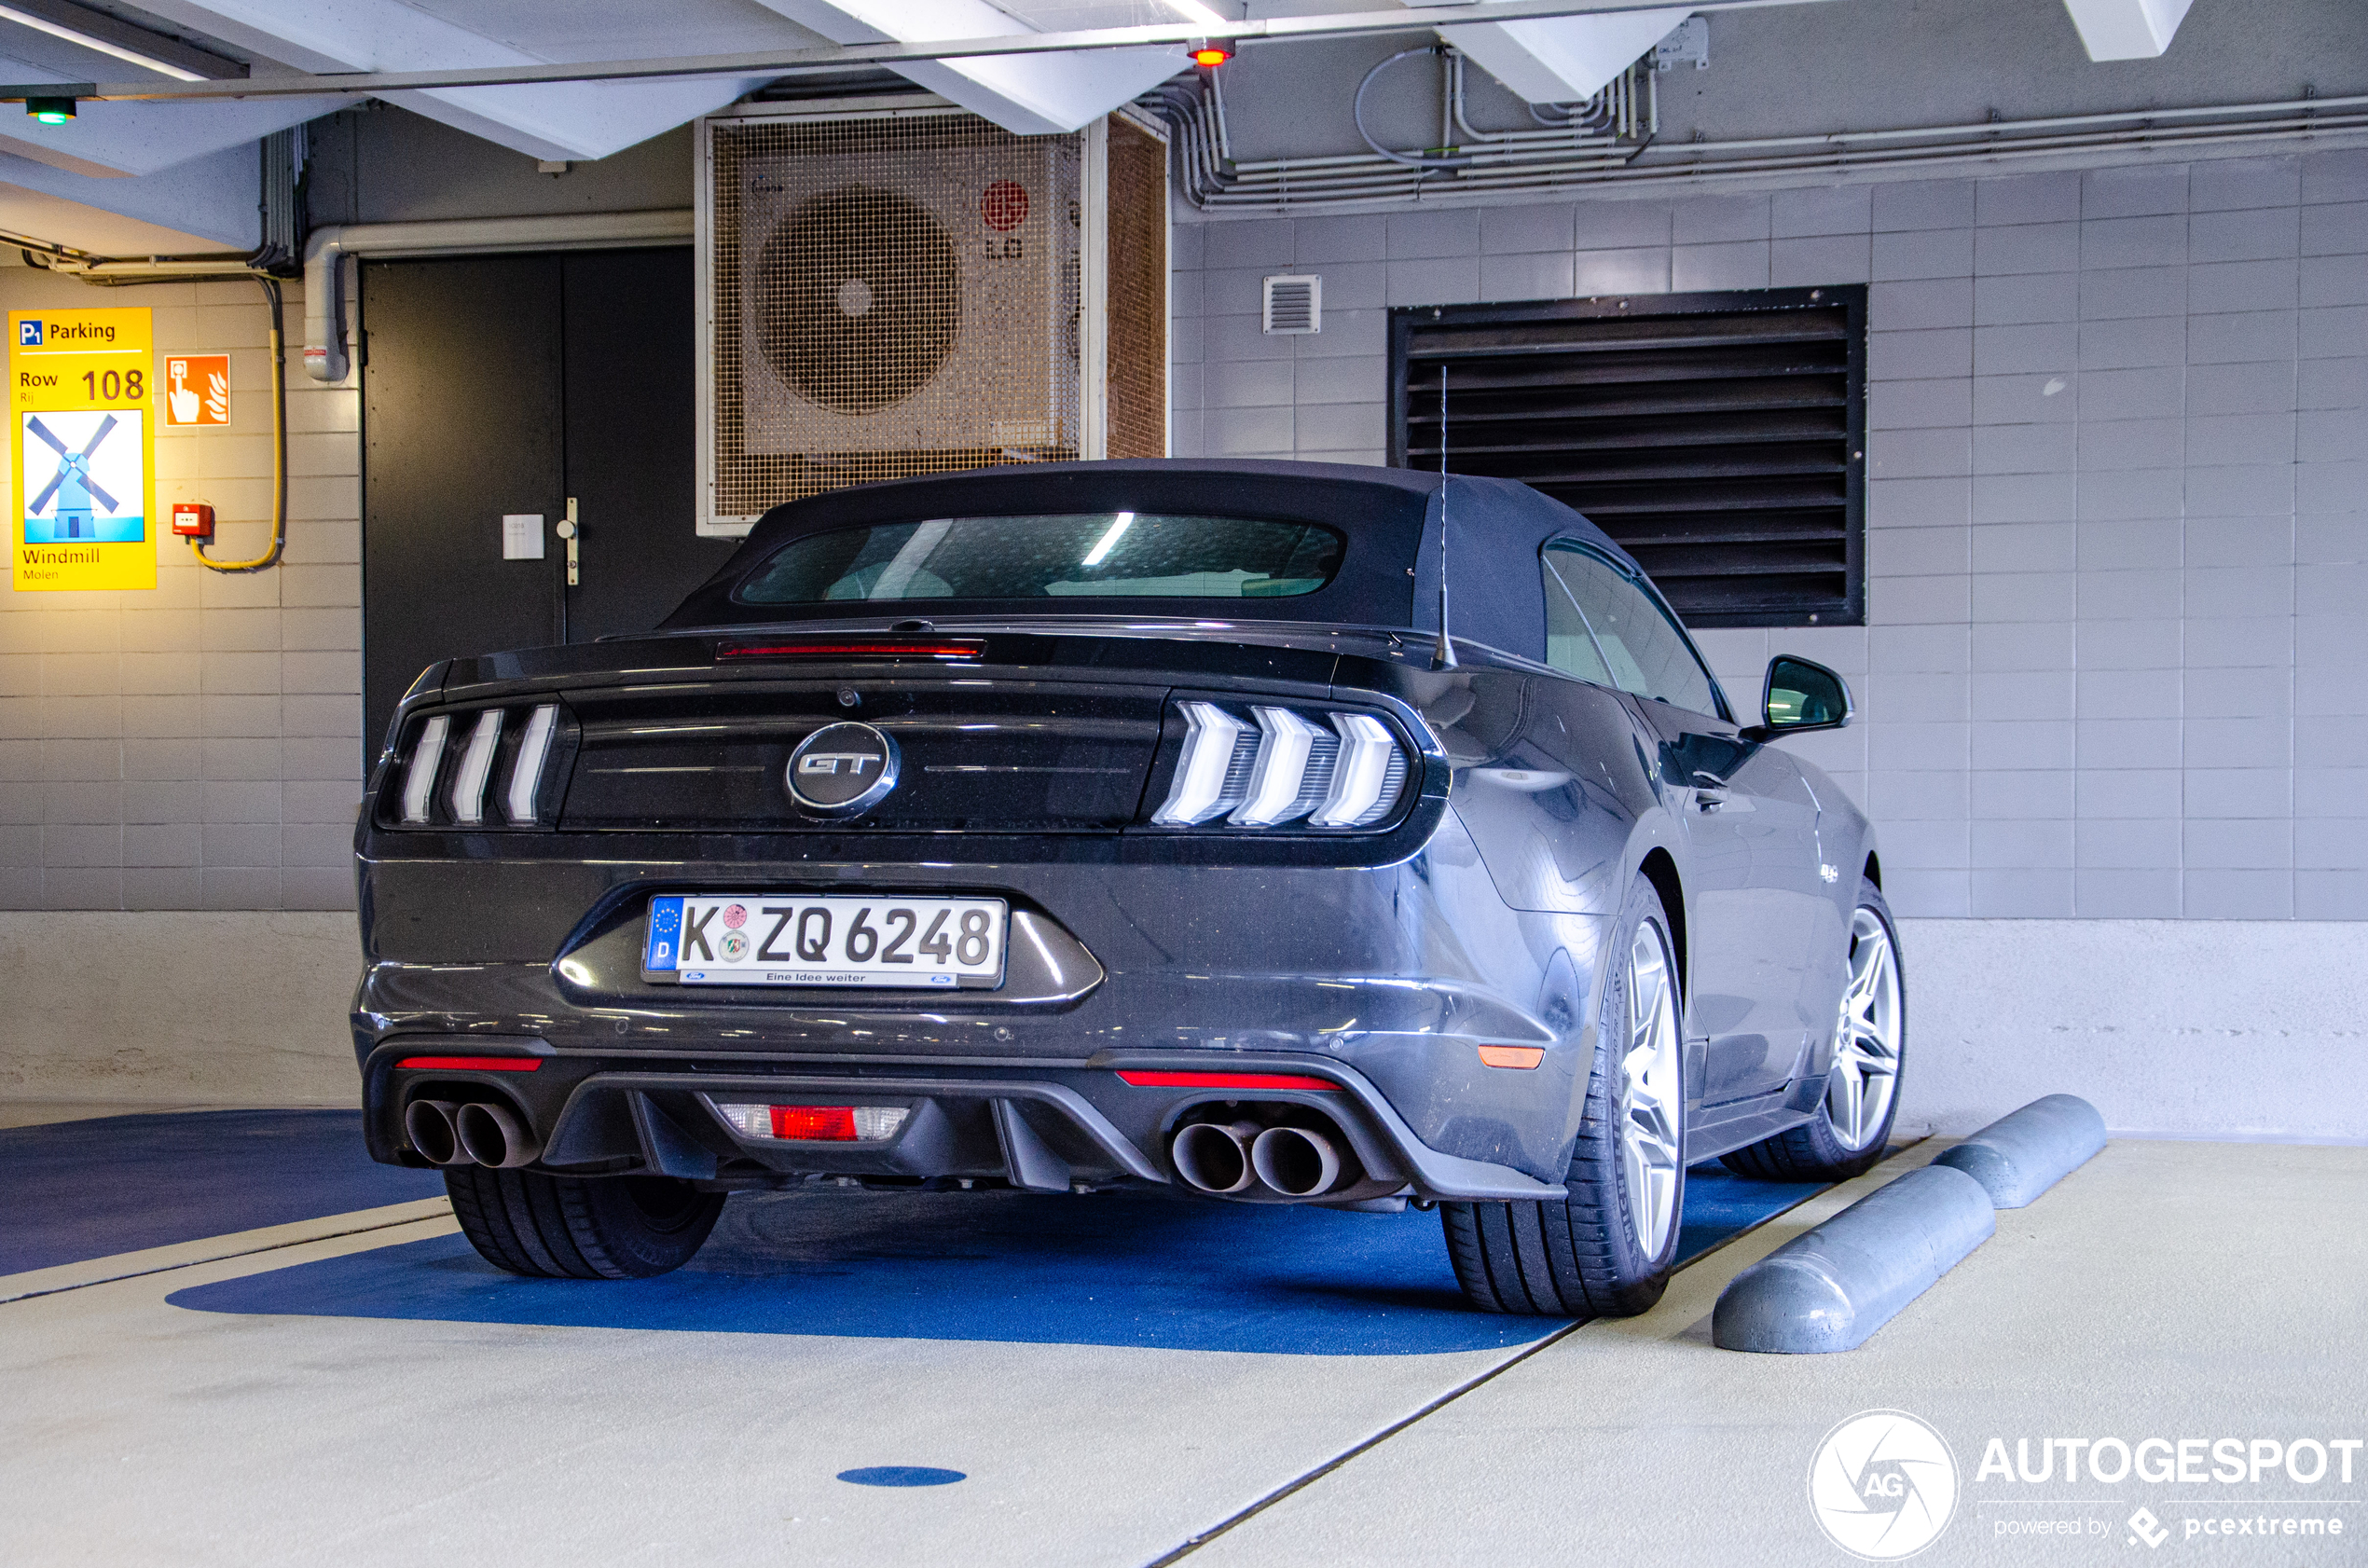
(59, 22)
(51, 111)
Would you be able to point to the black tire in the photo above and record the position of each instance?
(555, 1227)
(1580, 1257)
(1813, 1151)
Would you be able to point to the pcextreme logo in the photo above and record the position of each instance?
(1883, 1485)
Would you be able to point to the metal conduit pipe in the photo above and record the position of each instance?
(324, 252)
(1213, 180)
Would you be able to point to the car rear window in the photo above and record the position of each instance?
(1068, 554)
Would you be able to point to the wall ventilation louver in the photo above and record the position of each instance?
(1294, 305)
(1720, 438)
(885, 293)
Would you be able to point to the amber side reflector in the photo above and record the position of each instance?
(474, 1063)
(1511, 1055)
(1224, 1081)
(842, 647)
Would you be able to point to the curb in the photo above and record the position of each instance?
(2025, 1152)
(1830, 1289)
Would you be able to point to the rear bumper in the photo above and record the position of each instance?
(1045, 1126)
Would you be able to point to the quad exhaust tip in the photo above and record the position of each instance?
(1216, 1157)
(1294, 1162)
(492, 1136)
(472, 1132)
(428, 1123)
(1226, 1158)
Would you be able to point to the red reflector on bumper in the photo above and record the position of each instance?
(1224, 1081)
(474, 1063)
(1511, 1055)
(833, 1123)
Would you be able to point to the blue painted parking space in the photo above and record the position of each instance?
(1112, 1269)
(93, 1188)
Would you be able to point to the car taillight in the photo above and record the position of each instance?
(1330, 769)
(466, 772)
(816, 1124)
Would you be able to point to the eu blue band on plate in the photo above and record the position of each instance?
(666, 928)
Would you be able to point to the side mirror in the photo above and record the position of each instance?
(1801, 697)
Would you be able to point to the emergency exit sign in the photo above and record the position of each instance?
(82, 395)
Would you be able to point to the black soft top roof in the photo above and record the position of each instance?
(1392, 518)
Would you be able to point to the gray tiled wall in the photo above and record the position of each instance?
(2117, 496)
(197, 746)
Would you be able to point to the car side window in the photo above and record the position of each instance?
(1628, 634)
(1570, 647)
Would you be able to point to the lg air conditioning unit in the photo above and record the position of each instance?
(900, 289)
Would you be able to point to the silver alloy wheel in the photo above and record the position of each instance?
(1652, 1093)
(1865, 1070)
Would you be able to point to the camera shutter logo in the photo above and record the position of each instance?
(1882, 1485)
(841, 769)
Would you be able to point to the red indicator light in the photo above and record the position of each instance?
(474, 1063)
(829, 1124)
(1224, 1081)
(1211, 55)
(963, 649)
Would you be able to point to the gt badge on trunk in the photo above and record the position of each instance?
(842, 770)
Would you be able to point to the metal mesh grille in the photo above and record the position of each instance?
(1137, 292)
(892, 296)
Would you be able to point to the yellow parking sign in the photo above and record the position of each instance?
(82, 400)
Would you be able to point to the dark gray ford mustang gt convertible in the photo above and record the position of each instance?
(1281, 833)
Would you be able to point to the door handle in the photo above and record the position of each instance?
(567, 531)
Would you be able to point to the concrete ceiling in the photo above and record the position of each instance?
(116, 156)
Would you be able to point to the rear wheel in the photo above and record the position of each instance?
(1606, 1251)
(1847, 1136)
(555, 1227)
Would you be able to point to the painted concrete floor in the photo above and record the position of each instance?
(1126, 1381)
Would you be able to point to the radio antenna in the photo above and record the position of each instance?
(1443, 655)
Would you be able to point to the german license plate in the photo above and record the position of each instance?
(740, 939)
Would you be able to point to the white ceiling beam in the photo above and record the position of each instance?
(566, 120)
(200, 204)
(2126, 29)
(1562, 59)
(1027, 94)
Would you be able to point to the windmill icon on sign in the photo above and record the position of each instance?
(72, 484)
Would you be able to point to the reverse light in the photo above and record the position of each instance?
(418, 778)
(534, 752)
(1332, 770)
(1366, 774)
(1202, 773)
(476, 766)
(482, 767)
(816, 1124)
(1282, 776)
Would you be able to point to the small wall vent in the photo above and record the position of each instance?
(1294, 305)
